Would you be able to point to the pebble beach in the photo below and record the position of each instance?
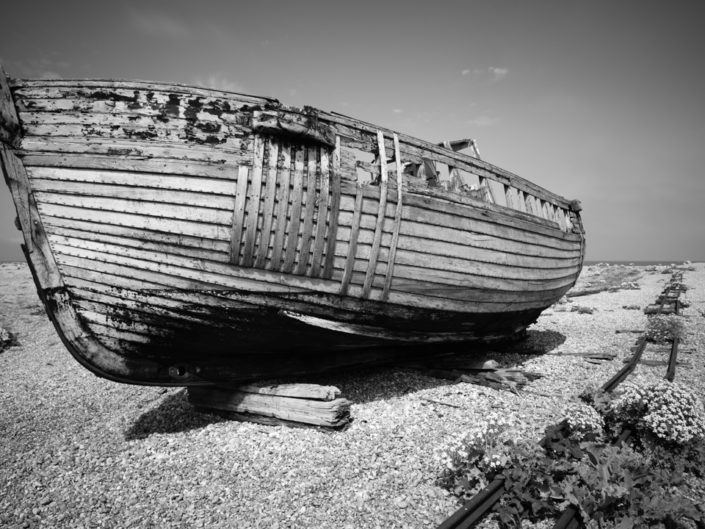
(80, 451)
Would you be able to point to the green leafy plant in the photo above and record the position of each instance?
(641, 483)
(610, 486)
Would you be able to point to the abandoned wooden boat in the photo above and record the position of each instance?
(183, 236)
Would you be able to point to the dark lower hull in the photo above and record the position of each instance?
(228, 346)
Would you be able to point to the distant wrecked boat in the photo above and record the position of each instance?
(182, 236)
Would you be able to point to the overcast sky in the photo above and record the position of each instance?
(603, 101)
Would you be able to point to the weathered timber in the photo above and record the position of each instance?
(311, 202)
(167, 213)
(321, 219)
(9, 123)
(327, 413)
(660, 309)
(381, 211)
(299, 391)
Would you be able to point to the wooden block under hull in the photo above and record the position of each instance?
(272, 403)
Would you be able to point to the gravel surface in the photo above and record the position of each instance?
(79, 451)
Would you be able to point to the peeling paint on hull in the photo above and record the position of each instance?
(181, 236)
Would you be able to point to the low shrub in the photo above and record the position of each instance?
(662, 328)
(665, 411)
(469, 461)
(641, 483)
(583, 422)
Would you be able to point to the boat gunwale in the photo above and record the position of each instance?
(498, 174)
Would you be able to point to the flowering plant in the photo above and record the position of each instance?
(584, 422)
(666, 410)
(470, 459)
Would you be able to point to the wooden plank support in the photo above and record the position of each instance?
(239, 214)
(321, 220)
(509, 196)
(295, 220)
(397, 223)
(268, 209)
(334, 212)
(9, 123)
(255, 194)
(299, 391)
(311, 199)
(382, 209)
(279, 226)
(352, 247)
(317, 406)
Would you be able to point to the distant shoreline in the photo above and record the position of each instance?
(638, 263)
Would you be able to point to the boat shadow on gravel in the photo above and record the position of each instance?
(175, 414)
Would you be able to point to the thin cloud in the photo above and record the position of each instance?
(493, 73)
(483, 121)
(498, 73)
(159, 24)
(45, 67)
(397, 110)
(220, 82)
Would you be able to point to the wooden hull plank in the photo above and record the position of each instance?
(175, 242)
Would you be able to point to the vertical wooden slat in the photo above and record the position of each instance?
(455, 179)
(311, 198)
(529, 200)
(352, 247)
(295, 220)
(332, 235)
(321, 221)
(549, 211)
(544, 210)
(253, 210)
(15, 175)
(9, 124)
(397, 223)
(490, 194)
(279, 226)
(239, 213)
(268, 208)
(510, 196)
(381, 212)
(554, 213)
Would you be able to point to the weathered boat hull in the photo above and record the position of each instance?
(186, 236)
